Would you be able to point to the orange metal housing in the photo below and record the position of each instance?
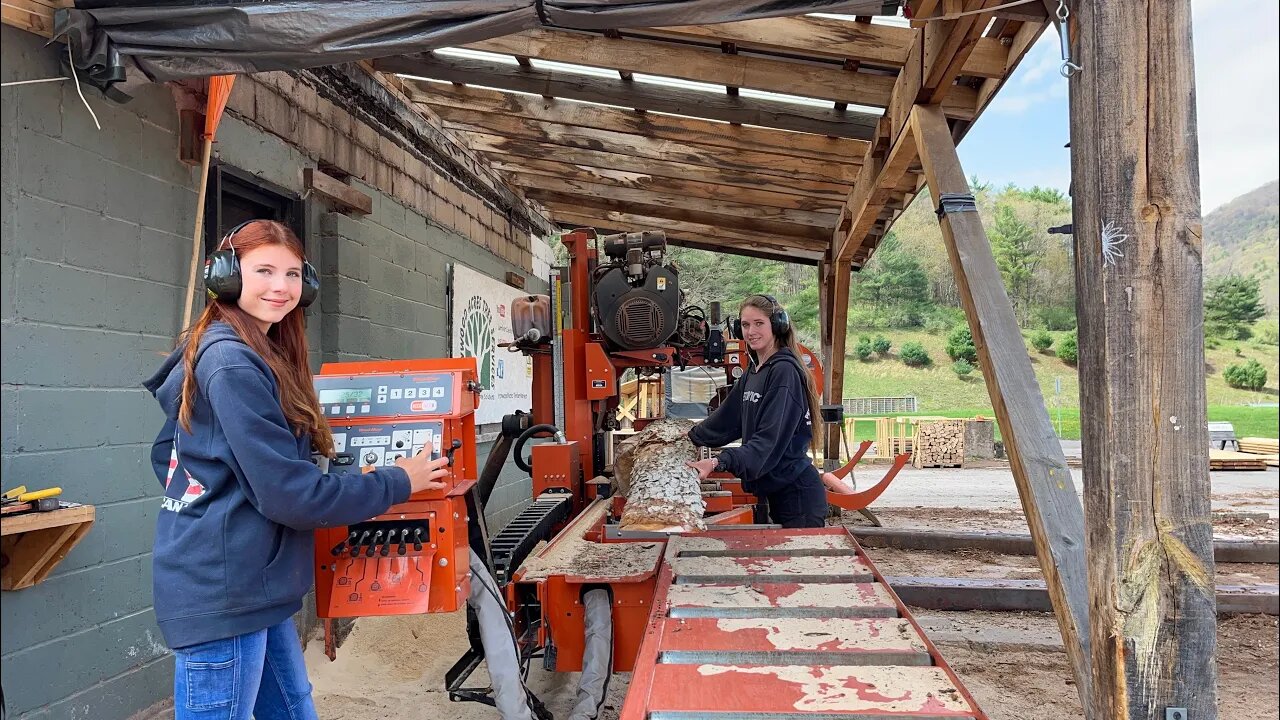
(377, 579)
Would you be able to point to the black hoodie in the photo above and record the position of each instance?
(233, 550)
(768, 408)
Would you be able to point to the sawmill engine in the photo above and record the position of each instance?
(637, 293)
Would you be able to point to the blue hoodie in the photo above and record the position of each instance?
(768, 408)
(233, 550)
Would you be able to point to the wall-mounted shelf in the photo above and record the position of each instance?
(32, 544)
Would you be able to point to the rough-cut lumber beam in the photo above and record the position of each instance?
(1139, 275)
(707, 237)
(531, 173)
(34, 16)
(640, 146)
(653, 125)
(947, 46)
(1048, 494)
(537, 184)
(965, 594)
(644, 96)
(876, 186)
(834, 308)
(882, 45)
(712, 65)
(615, 201)
(498, 146)
(933, 61)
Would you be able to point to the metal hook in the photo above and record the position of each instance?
(1068, 69)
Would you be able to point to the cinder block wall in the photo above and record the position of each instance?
(96, 241)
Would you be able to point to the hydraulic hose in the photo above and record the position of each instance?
(524, 437)
(597, 655)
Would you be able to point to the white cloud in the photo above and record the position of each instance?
(1237, 56)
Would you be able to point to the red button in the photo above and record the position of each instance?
(418, 406)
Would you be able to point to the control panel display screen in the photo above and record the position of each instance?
(344, 395)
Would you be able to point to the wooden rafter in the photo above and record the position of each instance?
(937, 56)
(691, 235)
(827, 81)
(644, 96)
(882, 45)
(528, 172)
(724, 218)
(654, 125)
(707, 237)
(641, 146)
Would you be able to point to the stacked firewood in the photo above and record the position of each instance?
(939, 443)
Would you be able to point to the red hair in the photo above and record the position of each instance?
(283, 346)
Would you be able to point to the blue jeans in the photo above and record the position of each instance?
(259, 673)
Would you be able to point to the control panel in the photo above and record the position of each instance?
(414, 557)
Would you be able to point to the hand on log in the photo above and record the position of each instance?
(704, 467)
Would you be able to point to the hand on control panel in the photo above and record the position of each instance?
(425, 473)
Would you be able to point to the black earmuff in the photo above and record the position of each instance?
(778, 319)
(222, 279)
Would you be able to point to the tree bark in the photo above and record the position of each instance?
(662, 491)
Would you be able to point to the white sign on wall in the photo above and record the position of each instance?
(481, 316)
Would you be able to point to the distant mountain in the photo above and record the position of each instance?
(1241, 237)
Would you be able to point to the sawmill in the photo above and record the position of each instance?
(819, 131)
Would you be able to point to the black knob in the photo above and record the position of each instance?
(355, 548)
(399, 443)
(417, 539)
(337, 549)
(370, 458)
(453, 447)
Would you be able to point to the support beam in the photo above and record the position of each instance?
(1139, 273)
(712, 65)
(881, 45)
(611, 201)
(697, 201)
(644, 96)
(659, 127)
(1048, 494)
(531, 173)
(705, 237)
(496, 146)
(833, 294)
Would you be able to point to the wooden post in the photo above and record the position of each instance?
(838, 319)
(1048, 494)
(1136, 217)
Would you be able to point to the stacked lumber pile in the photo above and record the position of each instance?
(1229, 460)
(938, 443)
(1268, 448)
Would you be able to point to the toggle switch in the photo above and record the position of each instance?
(374, 544)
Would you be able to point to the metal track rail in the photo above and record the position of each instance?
(785, 624)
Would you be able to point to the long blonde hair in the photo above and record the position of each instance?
(283, 347)
(787, 338)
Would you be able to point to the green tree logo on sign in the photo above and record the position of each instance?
(476, 339)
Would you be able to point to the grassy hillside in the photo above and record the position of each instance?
(1241, 238)
(941, 392)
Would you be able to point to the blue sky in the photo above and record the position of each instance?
(1020, 137)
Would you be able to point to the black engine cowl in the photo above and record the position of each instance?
(635, 317)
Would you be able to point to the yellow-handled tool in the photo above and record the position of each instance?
(13, 493)
(40, 494)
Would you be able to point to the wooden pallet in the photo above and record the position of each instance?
(1228, 460)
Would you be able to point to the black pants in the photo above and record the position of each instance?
(800, 505)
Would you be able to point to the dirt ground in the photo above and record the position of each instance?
(1012, 663)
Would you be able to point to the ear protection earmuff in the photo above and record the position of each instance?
(222, 277)
(779, 320)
